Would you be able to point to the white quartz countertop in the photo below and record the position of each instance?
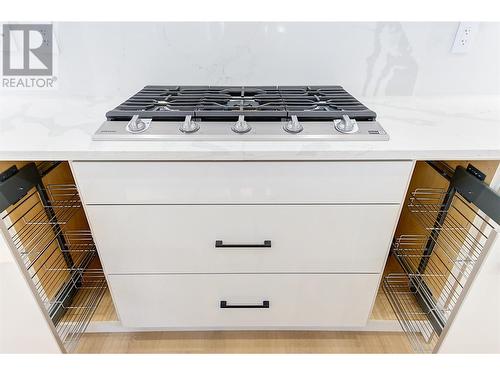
(50, 126)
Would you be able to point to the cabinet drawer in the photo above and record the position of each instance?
(241, 182)
(301, 238)
(243, 301)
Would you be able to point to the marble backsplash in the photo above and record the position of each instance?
(368, 59)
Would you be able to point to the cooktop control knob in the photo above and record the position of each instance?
(346, 125)
(293, 126)
(138, 125)
(189, 126)
(241, 126)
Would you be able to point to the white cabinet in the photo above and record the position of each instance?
(301, 238)
(177, 238)
(252, 301)
(242, 182)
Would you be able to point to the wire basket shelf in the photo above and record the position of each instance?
(61, 261)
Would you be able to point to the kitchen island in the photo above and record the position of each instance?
(258, 196)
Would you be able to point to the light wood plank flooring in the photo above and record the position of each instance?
(244, 342)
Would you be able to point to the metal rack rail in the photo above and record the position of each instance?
(440, 266)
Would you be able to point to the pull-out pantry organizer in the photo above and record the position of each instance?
(439, 267)
(46, 227)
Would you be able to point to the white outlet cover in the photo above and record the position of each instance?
(464, 37)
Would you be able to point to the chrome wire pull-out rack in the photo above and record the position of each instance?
(60, 260)
(440, 266)
(413, 317)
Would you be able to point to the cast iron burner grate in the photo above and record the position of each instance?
(269, 102)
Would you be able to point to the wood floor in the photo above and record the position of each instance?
(245, 342)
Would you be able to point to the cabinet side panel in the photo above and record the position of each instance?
(23, 327)
(476, 327)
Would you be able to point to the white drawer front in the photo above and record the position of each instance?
(303, 238)
(194, 301)
(242, 182)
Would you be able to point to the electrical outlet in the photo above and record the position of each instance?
(465, 36)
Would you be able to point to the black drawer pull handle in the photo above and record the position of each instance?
(224, 305)
(220, 243)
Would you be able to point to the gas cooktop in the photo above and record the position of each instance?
(241, 113)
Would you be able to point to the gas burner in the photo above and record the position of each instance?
(242, 113)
